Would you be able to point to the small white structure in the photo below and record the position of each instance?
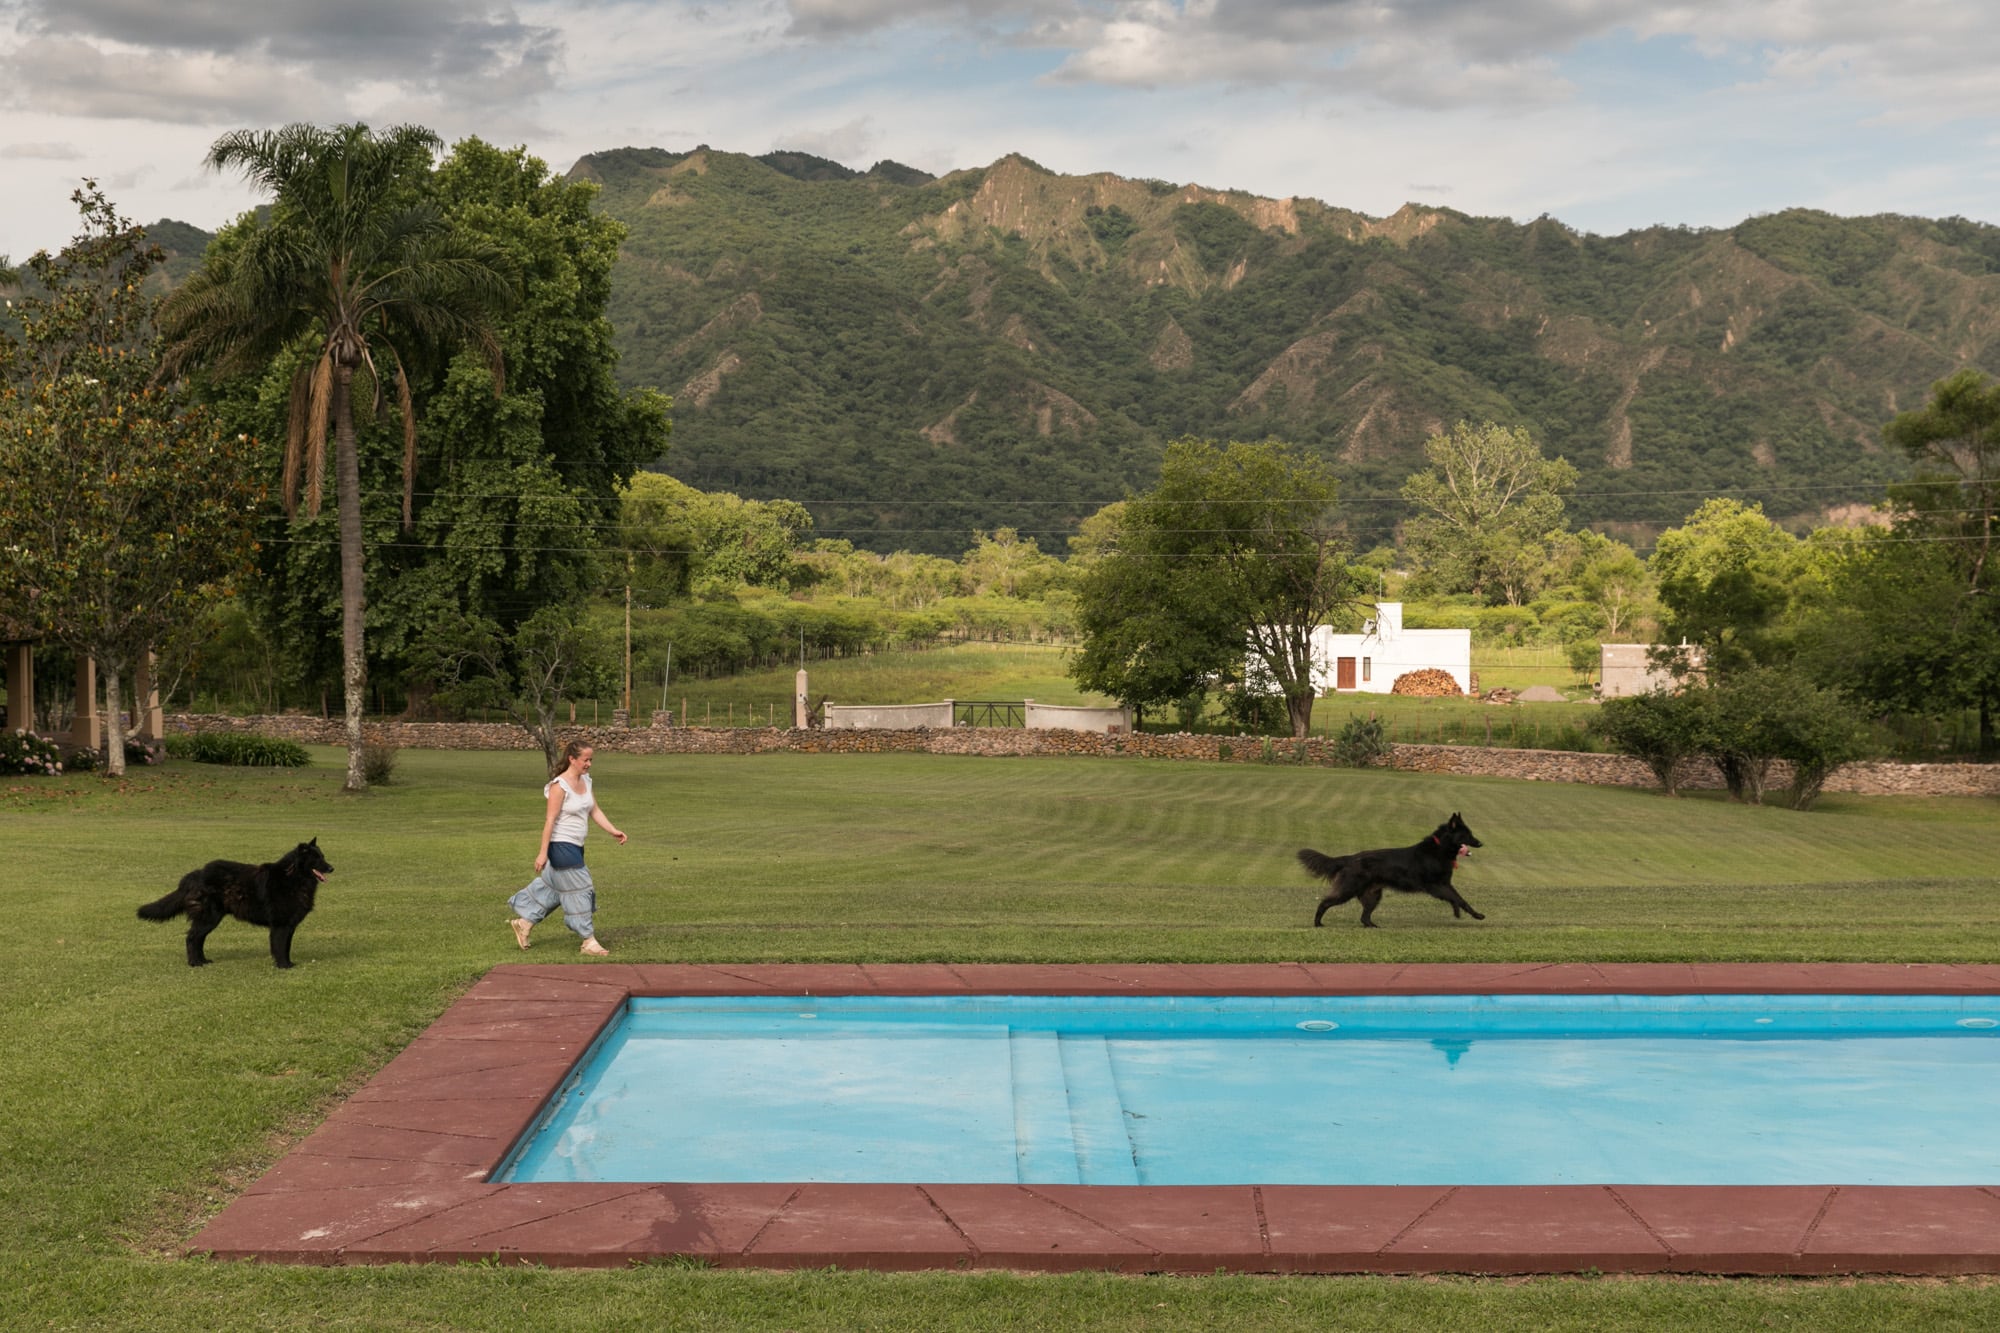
(1062, 717)
(1627, 668)
(1369, 662)
(888, 717)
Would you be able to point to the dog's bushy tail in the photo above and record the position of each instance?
(167, 908)
(1320, 864)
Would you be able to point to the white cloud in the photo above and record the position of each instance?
(47, 152)
(849, 144)
(1608, 113)
(204, 61)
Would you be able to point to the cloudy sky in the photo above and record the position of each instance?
(1607, 114)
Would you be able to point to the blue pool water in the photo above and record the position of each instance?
(1389, 1090)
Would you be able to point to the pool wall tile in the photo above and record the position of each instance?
(1312, 1229)
(912, 978)
(501, 1222)
(1907, 1228)
(1526, 1228)
(861, 1226)
(323, 1226)
(716, 1222)
(1020, 1226)
(398, 1172)
(304, 1170)
(1729, 1228)
(1190, 1228)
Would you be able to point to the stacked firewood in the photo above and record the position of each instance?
(1430, 683)
(1500, 694)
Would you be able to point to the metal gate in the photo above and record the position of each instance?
(988, 713)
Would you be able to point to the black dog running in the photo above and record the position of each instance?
(1424, 868)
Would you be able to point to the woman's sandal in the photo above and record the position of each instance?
(521, 927)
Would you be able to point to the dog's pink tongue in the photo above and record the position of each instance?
(1464, 852)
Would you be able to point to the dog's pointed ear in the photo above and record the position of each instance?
(314, 842)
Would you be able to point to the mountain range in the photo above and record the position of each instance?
(916, 356)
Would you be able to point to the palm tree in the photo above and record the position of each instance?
(356, 269)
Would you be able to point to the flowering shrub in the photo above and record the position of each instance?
(21, 751)
(136, 752)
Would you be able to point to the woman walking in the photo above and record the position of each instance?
(560, 875)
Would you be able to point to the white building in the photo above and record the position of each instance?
(1625, 669)
(1369, 662)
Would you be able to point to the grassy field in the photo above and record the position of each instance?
(1012, 672)
(138, 1095)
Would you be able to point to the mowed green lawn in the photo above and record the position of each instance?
(138, 1095)
(1012, 672)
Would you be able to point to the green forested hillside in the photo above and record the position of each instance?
(917, 357)
(1011, 346)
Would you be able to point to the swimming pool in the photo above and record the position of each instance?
(1364, 1090)
(403, 1171)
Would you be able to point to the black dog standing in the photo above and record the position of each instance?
(1424, 868)
(277, 894)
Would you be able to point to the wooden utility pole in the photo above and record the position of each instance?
(628, 650)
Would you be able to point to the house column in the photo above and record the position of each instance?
(150, 719)
(20, 664)
(87, 731)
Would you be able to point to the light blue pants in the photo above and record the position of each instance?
(573, 889)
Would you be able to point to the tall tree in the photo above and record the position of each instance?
(680, 541)
(1955, 442)
(1491, 513)
(1235, 549)
(1610, 576)
(126, 511)
(1911, 623)
(356, 265)
(1724, 584)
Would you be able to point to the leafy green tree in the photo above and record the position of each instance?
(1151, 637)
(1941, 557)
(1611, 576)
(683, 542)
(1955, 439)
(1725, 584)
(1662, 729)
(555, 655)
(1766, 713)
(1736, 727)
(1235, 546)
(1490, 519)
(1005, 563)
(1899, 629)
(127, 512)
(356, 266)
(1816, 731)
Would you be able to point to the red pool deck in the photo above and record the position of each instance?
(399, 1172)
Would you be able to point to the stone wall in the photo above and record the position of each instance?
(1463, 760)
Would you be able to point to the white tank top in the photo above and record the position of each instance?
(573, 821)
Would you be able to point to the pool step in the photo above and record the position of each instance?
(1097, 1114)
(1069, 1123)
(1044, 1146)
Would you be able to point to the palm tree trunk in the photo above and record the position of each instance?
(347, 480)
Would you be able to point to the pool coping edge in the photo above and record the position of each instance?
(398, 1172)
